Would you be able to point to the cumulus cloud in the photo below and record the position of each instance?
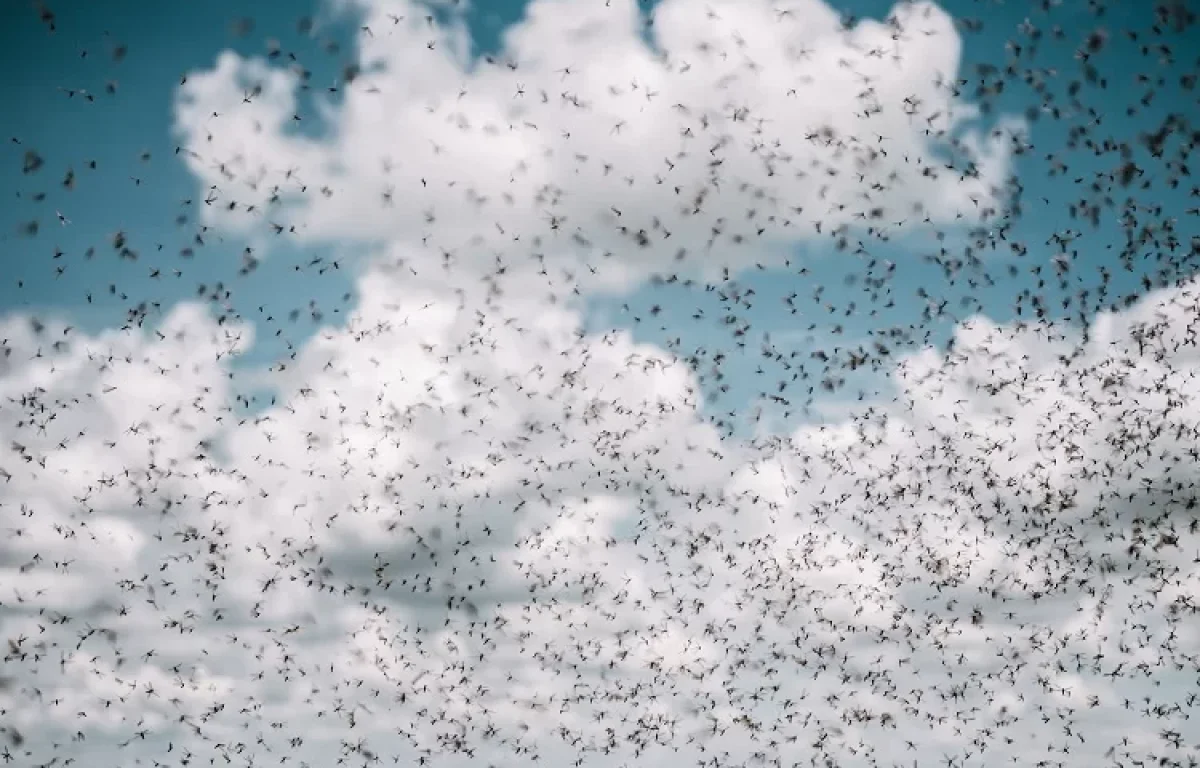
(464, 534)
(736, 129)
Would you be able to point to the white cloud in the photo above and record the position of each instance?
(577, 551)
(603, 152)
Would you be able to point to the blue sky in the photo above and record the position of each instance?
(115, 131)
